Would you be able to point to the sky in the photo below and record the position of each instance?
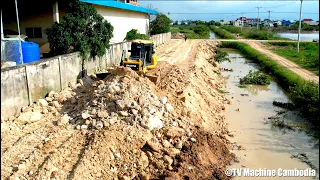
(200, 10)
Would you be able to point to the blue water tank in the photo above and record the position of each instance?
(30, 52)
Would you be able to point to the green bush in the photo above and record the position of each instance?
(256, 77)
(133, 34)
(304, 94)
(221, 56)
(222, 33)
(160, 25)
(81, 29)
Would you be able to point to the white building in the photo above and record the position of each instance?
(123, 16)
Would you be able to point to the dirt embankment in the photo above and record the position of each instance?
(125, 127)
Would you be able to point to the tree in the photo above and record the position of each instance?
(160, 25)
(134, 34)
(81, 29)
(175, 23)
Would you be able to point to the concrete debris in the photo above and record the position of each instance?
(29, 117)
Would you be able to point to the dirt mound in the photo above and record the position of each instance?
(177, 36)
(121, 127)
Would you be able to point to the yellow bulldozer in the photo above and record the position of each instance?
(142, 57)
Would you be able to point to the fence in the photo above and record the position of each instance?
(24, 84)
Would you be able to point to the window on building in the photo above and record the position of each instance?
(35, 32)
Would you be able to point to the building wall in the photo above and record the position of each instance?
(43, 20)
(24, 84)
(123, 21)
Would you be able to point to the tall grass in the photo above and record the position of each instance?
(253, 33)
(222, 33)
(304, 94)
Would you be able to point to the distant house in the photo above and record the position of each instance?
(277, 23)
(241, 21)
(252, 21)
(286, 23)
(222, 22)
(308, 21)
(123, 15)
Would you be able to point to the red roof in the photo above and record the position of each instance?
(307, 20)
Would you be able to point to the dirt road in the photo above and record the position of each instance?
(303, 73)
(126, 127)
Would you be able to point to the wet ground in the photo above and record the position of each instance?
(263, 146)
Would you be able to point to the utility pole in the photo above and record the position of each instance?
(268, 23)
(299, 26)
(258, 17)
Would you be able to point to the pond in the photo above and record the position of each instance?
(303, 36)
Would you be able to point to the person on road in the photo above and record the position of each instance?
(185, 38)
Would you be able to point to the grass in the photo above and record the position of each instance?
(221, 56)
(304, 94)
(222, 91)
(287, 105)
(192, 32)
(242, 86)
(253, 33)
(221, 32)
(257, 78)
(308, 57)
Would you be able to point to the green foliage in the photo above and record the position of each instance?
(134, 34)
(221, 56)
(192, 32)
(222, 33)
(256, 77)
(307, 57)
(160, 25)
(287, 105)
(304, 94)
(81, 29)
(295, 26)
(232, 29)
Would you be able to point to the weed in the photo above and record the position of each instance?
(256, 77)
(281, 124)
(221, 56)
(242, 86)
(222, 91)
(287, 105)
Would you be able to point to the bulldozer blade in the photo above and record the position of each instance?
(153, 79)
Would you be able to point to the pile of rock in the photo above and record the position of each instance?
(177, 36)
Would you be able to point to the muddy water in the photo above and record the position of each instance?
(265, 147)
(213, 35)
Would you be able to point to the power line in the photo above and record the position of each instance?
(244, 13)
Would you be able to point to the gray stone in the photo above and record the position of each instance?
(99, 125)
(167, 159)
(29, 117)
(143, 161)
(73, 100)
(169, 107)
(120, 104)
(123, 113)
(174, 132)
(151, 123)
(178, 145)
(172, 151)
(163, 99)
(85, 115)
(43, 102)
(134, 111)
(84, 126)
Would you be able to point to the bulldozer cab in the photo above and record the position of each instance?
(142, 56)
(142, 50)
